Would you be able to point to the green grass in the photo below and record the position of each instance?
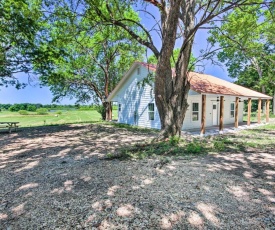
(52, 118)
(254, 117)
(163, 148)
(257, 139)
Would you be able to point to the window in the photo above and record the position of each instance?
(135, 117)
(119, 107)
(151, 111)
(138, 71)
(195, 111)
(232, 110)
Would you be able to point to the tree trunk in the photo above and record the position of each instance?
(172, 87)
(108, 110)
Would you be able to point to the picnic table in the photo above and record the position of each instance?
(9, 124)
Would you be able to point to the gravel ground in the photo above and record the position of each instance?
(57, 178)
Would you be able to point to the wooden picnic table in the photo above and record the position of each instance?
(9, 124)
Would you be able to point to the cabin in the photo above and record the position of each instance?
(212, 101)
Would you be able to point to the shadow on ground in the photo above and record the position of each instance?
(56, 177)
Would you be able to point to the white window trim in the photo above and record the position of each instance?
(191, 111)
(230, 110)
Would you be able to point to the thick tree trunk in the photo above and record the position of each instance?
(172, 87)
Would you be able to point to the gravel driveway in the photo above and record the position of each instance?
(57, 178)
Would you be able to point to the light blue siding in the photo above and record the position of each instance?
(134, 100)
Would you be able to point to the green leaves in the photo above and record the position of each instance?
(85, 57)
(244, 35)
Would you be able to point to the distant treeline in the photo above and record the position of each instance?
(33, 107)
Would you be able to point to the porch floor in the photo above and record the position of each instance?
(214, 130)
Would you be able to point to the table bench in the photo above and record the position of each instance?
(10, 125)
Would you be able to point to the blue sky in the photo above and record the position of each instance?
(32, 93)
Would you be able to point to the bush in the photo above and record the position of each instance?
(31, 108)
(219, 145)
(23, 112)
(174, 140)
(101, 109)
(42, 111)
(194, 147)
(59, 112)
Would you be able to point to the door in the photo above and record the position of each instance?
(215, 113)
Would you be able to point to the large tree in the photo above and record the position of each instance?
(19, 30)
(178, 19)
(91, 58)
(248, 49)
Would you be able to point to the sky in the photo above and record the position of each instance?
(33, 93)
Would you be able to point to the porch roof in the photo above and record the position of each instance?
(207, 84)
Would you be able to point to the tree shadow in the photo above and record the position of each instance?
(57, 178)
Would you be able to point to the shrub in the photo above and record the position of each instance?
(194, 147)
(59, 112)
(23, 112)
(101, 109)
(31, 108)
(174, 140)
(42, 111)
(219, 145)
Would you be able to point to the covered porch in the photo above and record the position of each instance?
(215, 129)
(237, 125)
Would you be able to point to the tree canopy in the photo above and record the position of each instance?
(177, 20)
(91, 58)
(20, 22)
(247, 46)
(71, 44)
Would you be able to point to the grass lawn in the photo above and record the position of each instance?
(254, 117)
(66, 117)
(260, 138)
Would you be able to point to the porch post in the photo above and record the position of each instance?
(203, 112)
(267, 110)
(248, 111)
(259, 110)
(236, 112)
(221, 114)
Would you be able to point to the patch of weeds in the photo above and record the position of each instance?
(194, 148)
(251, 145)
(222, 144)
(162, 161)
(110, 155)
(131, 128)
(174, 140)
(219, 145)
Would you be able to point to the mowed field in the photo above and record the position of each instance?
(52, 118)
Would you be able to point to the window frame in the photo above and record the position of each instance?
(151, 112)
(138, 71)
(230, 111)
(195, 112)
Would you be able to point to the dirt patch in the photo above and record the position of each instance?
(57, 177)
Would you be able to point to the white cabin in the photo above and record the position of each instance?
(136, 101)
